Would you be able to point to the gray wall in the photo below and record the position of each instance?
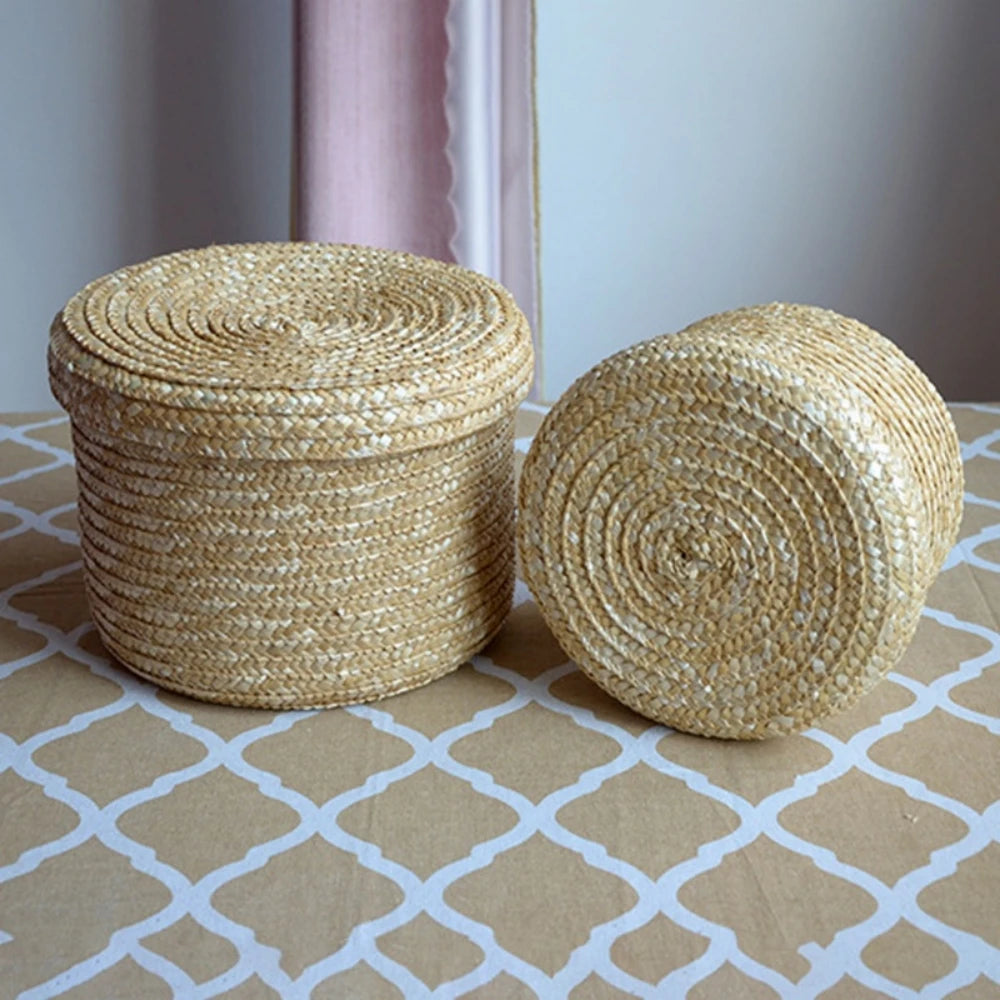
(130, 128)
(697, 155)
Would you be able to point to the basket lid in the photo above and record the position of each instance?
(283, 350)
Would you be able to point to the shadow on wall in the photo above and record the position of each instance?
(934, 286)
(207, 150)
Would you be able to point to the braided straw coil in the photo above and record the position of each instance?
(295, 467)
(732, 529)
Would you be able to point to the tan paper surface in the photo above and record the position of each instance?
(508, 831)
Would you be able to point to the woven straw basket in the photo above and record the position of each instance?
(295, 467)
(733, 529)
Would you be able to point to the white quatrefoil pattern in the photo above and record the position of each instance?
(506, 832)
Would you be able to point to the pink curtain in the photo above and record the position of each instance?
(415, 131)
(370, 85)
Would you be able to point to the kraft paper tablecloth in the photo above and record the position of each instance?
(506, 832)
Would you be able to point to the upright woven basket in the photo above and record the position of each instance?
(733, 529)
(295, 467)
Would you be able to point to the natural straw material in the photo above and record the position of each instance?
(732, 529)
(295, 467)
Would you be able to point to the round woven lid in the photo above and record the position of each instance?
(279, 350)
(732, 529)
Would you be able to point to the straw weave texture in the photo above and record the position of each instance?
(732, 529)
(295, 466)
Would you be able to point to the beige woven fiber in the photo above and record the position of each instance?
(295, 467)
(732, 529)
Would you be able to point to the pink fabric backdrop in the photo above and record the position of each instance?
(416, 131)
(370, 116)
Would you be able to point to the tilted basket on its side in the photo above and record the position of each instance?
(732, 529)
(295, 467)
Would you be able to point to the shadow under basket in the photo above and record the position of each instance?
(295, 467)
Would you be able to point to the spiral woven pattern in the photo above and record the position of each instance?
(295, 467)
(732, 529)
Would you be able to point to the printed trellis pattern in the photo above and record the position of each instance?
(508, 831)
